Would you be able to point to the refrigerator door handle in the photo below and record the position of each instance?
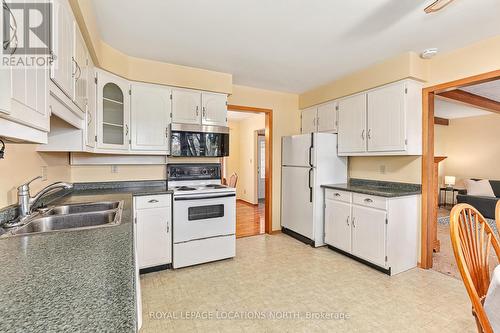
(311, 150)
(310, 186)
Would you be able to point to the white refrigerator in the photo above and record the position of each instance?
(307, 162)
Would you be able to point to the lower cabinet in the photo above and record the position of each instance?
(153, 219)
(381, 231)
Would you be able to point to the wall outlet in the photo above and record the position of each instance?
(114, 169)
(383, 169)
(43, 173)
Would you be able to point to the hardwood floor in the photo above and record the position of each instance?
(249, 219)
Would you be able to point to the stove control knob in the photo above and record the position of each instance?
(204, 172)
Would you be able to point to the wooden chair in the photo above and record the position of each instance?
(233, 180)
(472, 238)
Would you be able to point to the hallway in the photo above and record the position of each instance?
(250, 219)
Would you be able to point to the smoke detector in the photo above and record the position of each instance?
(429, 53)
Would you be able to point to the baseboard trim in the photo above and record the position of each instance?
(367, 263)
(154, 269)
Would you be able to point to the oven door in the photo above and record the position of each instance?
(204, 216)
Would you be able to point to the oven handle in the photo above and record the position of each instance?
(204, 197)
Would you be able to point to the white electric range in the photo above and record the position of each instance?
(204, 214)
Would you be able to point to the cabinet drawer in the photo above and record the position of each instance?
(370, 201)
(344, 196)
(153, 201)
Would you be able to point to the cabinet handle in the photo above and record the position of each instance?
(90, 117)
(337, 194)
(126, 130)
(353, 220)
(348, 220)
(363, 134)
(204, 112)
(370, 133)
(197, 110)
(168, 228)
(76, 69)
(153, 201)
(368, 200)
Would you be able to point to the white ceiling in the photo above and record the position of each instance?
(452, 110)
(489, 90)
(289, 45)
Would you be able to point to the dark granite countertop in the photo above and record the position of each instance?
(378, 188)
(76, 280)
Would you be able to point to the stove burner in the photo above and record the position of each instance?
(185, 188)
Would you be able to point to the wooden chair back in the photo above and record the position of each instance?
(472, 239)
(233, 180)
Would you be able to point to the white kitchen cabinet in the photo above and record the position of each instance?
(153, 218)
(378, 230)
(338, 230)
(186, 106)
(352, 124)
(326, 119)
(368, 234)
(382, 121)
(308, 120)
(80, 64)
(91, 114)
(137, 280)
(62, 70)
(151, 111)
(214, 109)
(113, 112)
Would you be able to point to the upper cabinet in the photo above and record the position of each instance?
(214, 109)
(113, 112)
(151, 112)
(196, 107)
(322, 118)
(382, 121)
(186, 106)
(80, 72)
(63, 66)
(91, 112)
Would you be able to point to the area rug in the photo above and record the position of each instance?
(445, 220)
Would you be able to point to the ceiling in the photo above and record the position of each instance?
(490, 90)
(444, 108)
(289, 45)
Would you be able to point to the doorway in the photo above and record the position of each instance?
(250, 159)
(454, 90)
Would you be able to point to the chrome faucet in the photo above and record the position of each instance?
(26, 202)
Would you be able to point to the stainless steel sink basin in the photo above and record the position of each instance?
(72, 217)
(83, 208)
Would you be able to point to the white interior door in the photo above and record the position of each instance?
(338, 225)
(369, 234)
(296, 150)
(386, 118)
(150, 116)
(296, 204)
(186, 106)
(327, 117)
(261, 166)
(308, 120)
(214, 109)
(352, 124)
(154, 240)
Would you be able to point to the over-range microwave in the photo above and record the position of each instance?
(190, 140)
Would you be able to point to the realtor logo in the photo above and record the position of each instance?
(26, 33)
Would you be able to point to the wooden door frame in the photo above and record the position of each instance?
(269, 160)
(429, 184)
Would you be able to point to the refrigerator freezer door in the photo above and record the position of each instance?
(297, 206)
(297, 151)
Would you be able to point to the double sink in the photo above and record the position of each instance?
(76, 216)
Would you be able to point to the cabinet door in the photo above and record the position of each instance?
(80, 63)
(154, 239)
(151, 108)
(214, 109)
(62, 69)
(91, 106)
(369, 234)
(327, 117)
(386, 119)
(338, 224)
(186, 106)
(352, 124)
(308, 119)
(138, 294)
(113, 108)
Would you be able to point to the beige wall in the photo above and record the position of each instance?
(243, 156)
(286, 121)
(472, 147)
(23, 163)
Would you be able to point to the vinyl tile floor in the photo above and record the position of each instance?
(277, 284)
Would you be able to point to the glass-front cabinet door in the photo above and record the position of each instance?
(113, 106)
